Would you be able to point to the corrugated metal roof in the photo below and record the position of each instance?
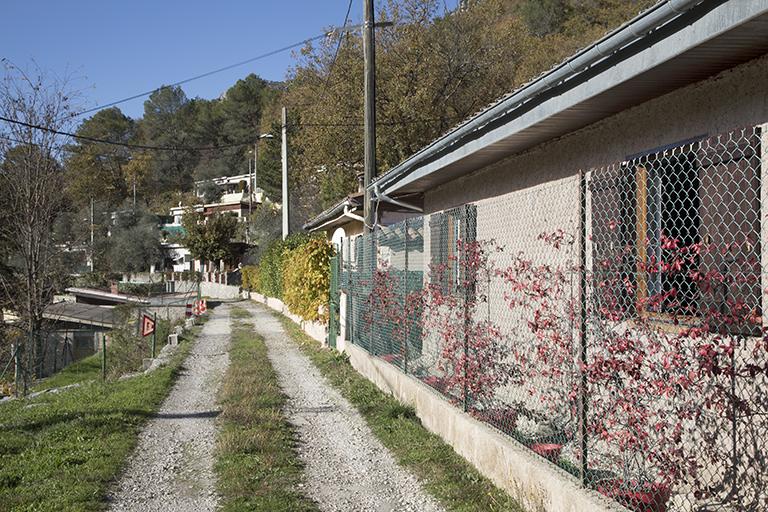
(85, 314)
(710, 37)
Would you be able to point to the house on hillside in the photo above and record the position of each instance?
(234, 200)
(607, 216)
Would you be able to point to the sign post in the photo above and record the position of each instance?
(154, 335)
(148, 327)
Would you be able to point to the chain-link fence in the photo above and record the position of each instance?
(74, 329)
(611, 322)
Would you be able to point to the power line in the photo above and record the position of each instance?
(118, 143)
(378, 123)
(336, 53)
(209, 73)
(204, 148)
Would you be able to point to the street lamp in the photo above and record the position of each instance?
(252, 180)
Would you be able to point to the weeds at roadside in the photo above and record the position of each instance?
(257, 466)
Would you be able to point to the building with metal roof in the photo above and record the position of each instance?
(582, 250)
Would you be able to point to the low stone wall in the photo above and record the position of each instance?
(170, 312)
(219, 291)
(316, 330)
(535, 483)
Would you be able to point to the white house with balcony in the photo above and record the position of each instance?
(235, 200)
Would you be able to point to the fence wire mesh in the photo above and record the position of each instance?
(611, 322)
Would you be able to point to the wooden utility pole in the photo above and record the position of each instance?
(369, 43)
(285, 174)
(92, 255)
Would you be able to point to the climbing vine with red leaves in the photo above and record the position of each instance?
(673, 395)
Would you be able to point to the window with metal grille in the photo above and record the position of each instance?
(676, 231)
(446, 230)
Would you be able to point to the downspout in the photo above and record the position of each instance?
(348, 213)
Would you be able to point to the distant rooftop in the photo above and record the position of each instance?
(85, 314)
(117, 298)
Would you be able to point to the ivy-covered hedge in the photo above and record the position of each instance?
(273, 261)
(250, 275)
(306, 278)
(295, 270)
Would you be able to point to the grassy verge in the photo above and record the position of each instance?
(60, 451)
(86, 369)
(445, 474)
(257, 467)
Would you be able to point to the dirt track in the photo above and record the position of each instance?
(347, 468)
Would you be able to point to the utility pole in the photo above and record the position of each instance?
(255, 164)
(250, 203)
(91, 262)
(369, 52)
(285, 173)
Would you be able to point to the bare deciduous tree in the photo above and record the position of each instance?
(32, 198)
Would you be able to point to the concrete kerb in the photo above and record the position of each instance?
(316, 330)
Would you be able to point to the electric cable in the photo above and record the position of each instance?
(206, 74)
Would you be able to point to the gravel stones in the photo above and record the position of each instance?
(346, 467)
(172, 466)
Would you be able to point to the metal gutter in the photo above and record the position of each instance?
(625, 35)
(323, 218)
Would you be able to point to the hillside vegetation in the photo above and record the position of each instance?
(434, 68)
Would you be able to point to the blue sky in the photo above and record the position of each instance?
(121, 48)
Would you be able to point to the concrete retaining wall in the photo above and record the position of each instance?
(535, 483)
(212, 290)
(219, 291)
(170, 312)
(315, 330)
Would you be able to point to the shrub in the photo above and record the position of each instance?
(127, 349)
(96, 280)
(306, 278)
(272, 262)
(141, 289)
(250, 276)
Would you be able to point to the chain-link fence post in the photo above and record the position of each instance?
(17, 369)
(582, 331)
(372, 267)
(461, 275)
(406, 306)
(103, 356)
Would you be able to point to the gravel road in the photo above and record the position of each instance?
(347, 468)
(172, 466)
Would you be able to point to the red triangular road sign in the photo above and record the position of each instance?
(147, 325)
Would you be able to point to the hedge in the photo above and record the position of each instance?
(141, 289)
(250, 275)
(295, 270)
(306, 278)
(272, 263)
